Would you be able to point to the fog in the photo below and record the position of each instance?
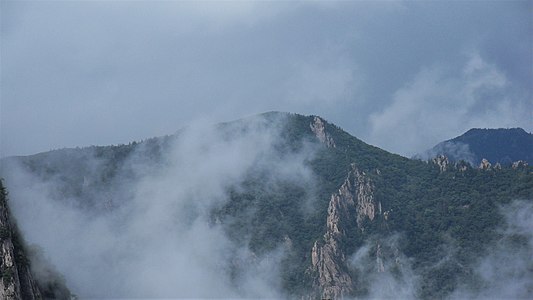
(160, 241)
(456, 151)
(504, 270)
(385, 277)
(152, 234)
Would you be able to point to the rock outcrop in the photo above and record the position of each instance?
(354, 199)
(485, 164)
(17, 281)
(442, 162)
(519, 164)
(319, 129)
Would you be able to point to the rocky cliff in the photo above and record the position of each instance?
(319, 129)
(441, 161)
(17, 280)
(354, 200)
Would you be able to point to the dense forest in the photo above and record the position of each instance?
(434, 220)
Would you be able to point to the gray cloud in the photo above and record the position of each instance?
(81, 73)
(440, 102)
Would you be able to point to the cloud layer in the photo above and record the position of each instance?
(82, 73)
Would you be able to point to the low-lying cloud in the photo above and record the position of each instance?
(156, 238)
(160, 241)
(388, 274)
(503, 271)
(506, 271)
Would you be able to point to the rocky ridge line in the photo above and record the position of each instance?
(444, 164)
(354, 198)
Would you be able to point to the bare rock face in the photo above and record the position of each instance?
(355, 198)
(17, 281)
(333, 280)
(519, 164)
(485, 164)
(9, 287)
(319, 130)
(442, 162)
(365, 204)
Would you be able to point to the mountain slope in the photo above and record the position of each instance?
(501, 145)
(302, 207)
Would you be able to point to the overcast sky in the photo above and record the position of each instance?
(399, 75)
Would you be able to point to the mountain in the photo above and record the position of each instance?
(277, 205)
(503, 146)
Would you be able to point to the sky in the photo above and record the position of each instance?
(400, 75)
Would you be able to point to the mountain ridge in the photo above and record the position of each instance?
(373, 213)
(497, 145)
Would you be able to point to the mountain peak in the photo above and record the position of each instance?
(514, 130)
(497, 145)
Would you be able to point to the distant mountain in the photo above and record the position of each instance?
(503, 146)
(273, 206)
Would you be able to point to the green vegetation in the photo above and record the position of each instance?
(7, 275)
(431, 211)
(4, 233)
